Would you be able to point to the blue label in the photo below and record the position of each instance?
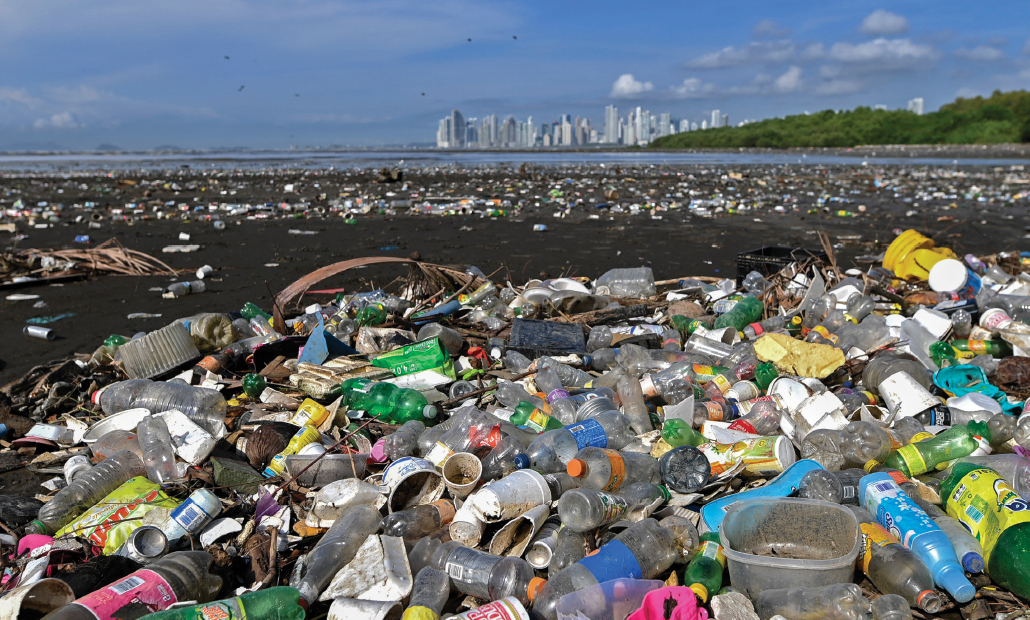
(190, 515)
(589, 433)
(613, 561)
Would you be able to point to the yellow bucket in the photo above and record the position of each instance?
(905, 242)
(912, 255)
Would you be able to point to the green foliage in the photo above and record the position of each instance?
(1003, 117)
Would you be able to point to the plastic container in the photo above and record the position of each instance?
(611, 600)
(158, 352)
(789, 543)
(770, 259)
(329, 468)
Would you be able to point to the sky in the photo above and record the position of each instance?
(274, 73)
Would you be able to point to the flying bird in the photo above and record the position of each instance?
(296, 94)
(470, 40)
(227, 58)
(240, 89)
(423, 94)
(514, 37)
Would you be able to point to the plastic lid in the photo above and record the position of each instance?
(665, 492)
(948, 275)
(521, 461)
(929, 601)
(700, 591)
(534, 586)
(950, 577)
(577, 468)
(95, 398)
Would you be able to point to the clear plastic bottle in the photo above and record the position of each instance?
(403, 441)
(1012, 467)
(762, 419)
(516, 362)
(86, 491)
(491, 577)
(561, 407)
(842, 601)
(642, 551)
(158, 456)
(431, 590)
(414, 523)
(862, 442)
(449, 338)
(672, 384)
(508, 455)
(582, 510)
(891, 607)
(961, 324)
(510, 394)
(336, 549)
(569, 548)
(969, 551)
(608, 470)
(181, 289)
(551, 451)
(633, 405)
(600, 338)
(839, 487)
(204, 406)
(186, 573)
(569, 376)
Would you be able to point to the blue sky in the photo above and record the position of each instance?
(144, 74)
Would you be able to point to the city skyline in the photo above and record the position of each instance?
(267, 73)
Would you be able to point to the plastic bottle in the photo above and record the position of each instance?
(967, 548)
(642, 551)
(557, 397)
(892, 567)
(842, 489)
(511, 394)
(842, 601)
(772, 324)
(204, 406)
(336, 549)
(569, 376)
(633, 405)
(531, 417)
(608, 470)
(861, 442)
(1014, 468)
(403, 441)
(552, 450)
(582, 510)
(158, 456)
(704, 573)
(508, 455)
(900, 516)
(182, 576)
(282, 603)
(181, 289)
(430, 593)
(191, 517)
(86, 491)
(491, 577)
(449, 338)
(305, 435)
(748, 310)
(685, 469)
(762, 419)
(998, 517)
(414, 523)
(672, 384)
(891, 607)
(919, 458)
(677, 432)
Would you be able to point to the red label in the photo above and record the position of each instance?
(742, 426)
(144, 587)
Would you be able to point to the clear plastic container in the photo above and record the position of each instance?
(841, 601)
(157, 450)
(787, 542)
(336, 549)
(611, 600)
(158, 352)
(204, 406)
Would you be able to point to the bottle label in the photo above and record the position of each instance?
(977, 346)
(747, 405)
(142, 588)
(715, 412)
(229, 609)
(538, 420)
(873, 534)
(556, 394)
(704, 373)
(921, 436)
(712, 550)
(613, 561)
(722, 383)
(987, 505)
(614, 506)
(439, 453)
(939, 416)
(589, 433)
(896, 512)
(191, 516)
(914, 460)
(618, 469)
(471, 568)
(743, 426)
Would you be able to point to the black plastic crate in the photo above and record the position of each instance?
(771, 259)
(534, 338)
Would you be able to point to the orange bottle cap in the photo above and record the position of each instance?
(577, 468)
(534, 586)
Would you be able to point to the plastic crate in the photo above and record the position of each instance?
(771, 259)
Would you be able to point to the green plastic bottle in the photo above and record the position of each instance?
(353, 390)
(685, 325)
(997, 517)
(253, 385)
(704, 573)
(747, 311)
(282, 603)
(372, 314)
(918, 458)
(407, 404)
(765, 374)
(677, 432)
(526, 414)
(994, 348)
(250, 311)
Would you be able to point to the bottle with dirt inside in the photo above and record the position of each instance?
(414, 523)
(582, 510)
(204, 406)
(428, 596)
(704, 573)
(336, 549)
(158, 456)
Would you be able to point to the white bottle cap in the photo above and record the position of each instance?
(948, 275)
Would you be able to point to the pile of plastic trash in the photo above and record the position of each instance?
(804, 444)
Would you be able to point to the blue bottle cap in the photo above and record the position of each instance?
(521, 461)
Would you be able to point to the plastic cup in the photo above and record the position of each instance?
(412, 482)
(461, 474)
(510, 496)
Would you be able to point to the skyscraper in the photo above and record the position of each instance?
(716, 117)
(665, 124)
(443, 134)
(611, 124)
(916, 105)
(725, 122)
(457, 130)
(684, 125)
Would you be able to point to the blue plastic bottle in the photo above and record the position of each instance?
(784, 485)
(903, 518)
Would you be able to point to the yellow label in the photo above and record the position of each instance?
(722, 382)
(311, 413)
(538, 420)
(873, 534)
(419, 612)
(923, 436)
(987, 505)
(713, 550)
(618, 475)
(977, 346)
(913, 460)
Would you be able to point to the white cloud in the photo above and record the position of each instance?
(757, 52)
(769, 28)
(18, 95)
(628, 87)
(881, 22)
(815, 51)
(839, 87)
(693, 88)
(885, 54)
(789, 81)
(1026, 47)
(980, 53)
(61, 120)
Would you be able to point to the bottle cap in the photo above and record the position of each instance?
(665, 492)
(577, 468)
(534, 586)
(521, 461)
(700, 591)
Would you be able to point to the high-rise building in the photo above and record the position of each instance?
(693, 126)
(665, 124)
(916, 105)
(443, 133)
(716, 117)
(684, 125)
(725, 122)
(457, 138)
(566, 131)
(611, 124)
(704, 124)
